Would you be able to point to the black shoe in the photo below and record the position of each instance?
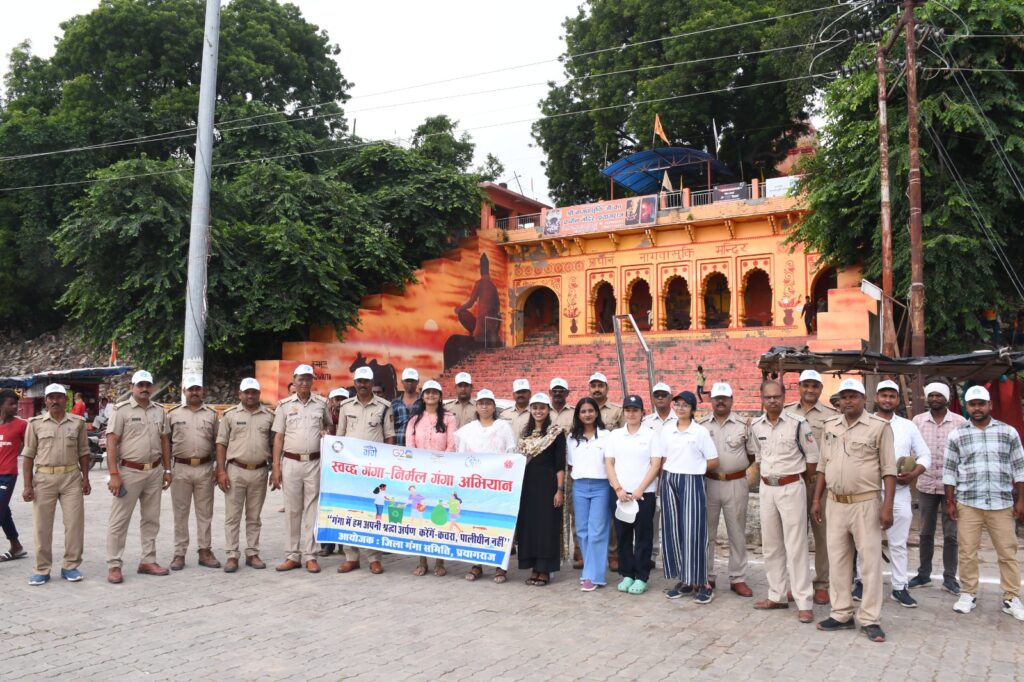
(904, 598)
(918, 581)
(831, 625)
(951, 585)
(858, 591)
(874, 633)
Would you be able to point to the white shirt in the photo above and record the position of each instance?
(908, 442)
(475, 437)
(632, 455)
(656, 422)
(687, 451)
(587, 456)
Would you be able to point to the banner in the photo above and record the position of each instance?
(447, 505)
(602, 216)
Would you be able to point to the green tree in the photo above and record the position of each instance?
(435, 139)
(962, 272)
(757, 126)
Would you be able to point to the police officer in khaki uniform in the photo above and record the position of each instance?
(369, 418)
(518, 414)
(189, 434)
(561, 411)
(300, 421)
(55, 469)
(788, 454)
(857, 458)
(139, 473)
(611, 413)
(463, 406)
(726, 487)
(244, 447)
(816, 412)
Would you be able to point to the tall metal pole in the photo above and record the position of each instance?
(917, 346)
(888, 339)
(199, 235)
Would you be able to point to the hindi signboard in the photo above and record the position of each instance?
(602, 216)
(447, 505)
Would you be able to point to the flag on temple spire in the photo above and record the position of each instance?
(658, 130)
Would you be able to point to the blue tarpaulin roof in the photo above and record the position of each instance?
(642, 172)
(63, 376)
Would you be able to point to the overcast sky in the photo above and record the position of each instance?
(397, 44)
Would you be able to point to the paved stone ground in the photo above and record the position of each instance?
(202, 623)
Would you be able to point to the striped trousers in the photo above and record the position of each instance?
(684, 528)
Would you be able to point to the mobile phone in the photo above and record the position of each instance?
(122, 491)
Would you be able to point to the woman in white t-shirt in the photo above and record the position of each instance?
(486, 434)
(591, 494)
(633, 474)
(687, 453)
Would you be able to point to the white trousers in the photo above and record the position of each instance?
(897, 535)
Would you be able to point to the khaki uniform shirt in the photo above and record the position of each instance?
(464, 412)
(611, 415)
(734, 443)
(53, 443)
(816, 416)
(138, 430)
(373, 421)
(301, 423)
(247, 435)
(563, 418)
(519, 419)
(787, 446)
(192, 432)
(855, 458)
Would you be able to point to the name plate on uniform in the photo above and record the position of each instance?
(447, 505)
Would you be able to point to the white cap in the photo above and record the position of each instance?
(431, 385)
(485, 394)
(558, 381)
(520, 385)
(597, 376)
(977, 393)
(541, 399)
(303, 369)
(249, 384)
(888, 383)
(627, 511)
(810, 375)
(140, 376)
(410, 373)
(55, 388)
(463, 378)
(721, 389)
(363, 372)
(937, 387)
(338, 393)
(191, 380)
(851, 385)
(662, 386)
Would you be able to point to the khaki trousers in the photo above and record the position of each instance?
(301, 488)
(66, 489)
(247, 491)
(1000, 527)
(819, 530)
(192, 483)
(144, 488)
(729, 499)
(855, 526)
(784, 541)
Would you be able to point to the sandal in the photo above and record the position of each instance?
(11, 556)
(541, 582)
(474, 573)
(532, 580)
(440, 571)
(420, 570)
(500, 576)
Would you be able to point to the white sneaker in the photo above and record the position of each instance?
(967, 602)
(1014, 608)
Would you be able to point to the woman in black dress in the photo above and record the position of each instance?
(540, 508)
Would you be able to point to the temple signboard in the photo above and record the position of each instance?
(603, 216)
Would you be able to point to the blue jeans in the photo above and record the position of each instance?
(591, 498)
(6, 492)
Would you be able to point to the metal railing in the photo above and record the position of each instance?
(617, 323)
(701, 197)
(521, 222)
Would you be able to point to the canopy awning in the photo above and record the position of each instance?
(61, 376)
(642, 172)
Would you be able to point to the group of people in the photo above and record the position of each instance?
(596, 471)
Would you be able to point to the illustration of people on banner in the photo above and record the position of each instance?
(403, 500)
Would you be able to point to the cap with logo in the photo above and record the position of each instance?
(363, 373)
(410, 374)
(191, 381)
(463, 378)
(520, 385)
(976, 393)
(937, 387)
(249, 384)
(598, 376)
(338, 393)
(887, 384)
(661, 387)
(558, 382)
(721, 390)
(431, 385)
(540, 399)
(852, 385)
(810, 375)
(142, 376)
(303, 369)
(633, 401)
(55, 388)
(484, 394)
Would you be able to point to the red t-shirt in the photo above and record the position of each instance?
(12, 435)
(78, 408)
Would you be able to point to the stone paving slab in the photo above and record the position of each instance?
(261, 625)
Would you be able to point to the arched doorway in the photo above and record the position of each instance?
(540, 313)
(640, 303)
(677, 304)
(717, 301)
(823, 281)
(757, 299)
(604, 308)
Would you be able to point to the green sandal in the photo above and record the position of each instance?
(638, 587)
(625, 585)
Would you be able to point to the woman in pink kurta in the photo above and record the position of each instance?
(431, 429)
